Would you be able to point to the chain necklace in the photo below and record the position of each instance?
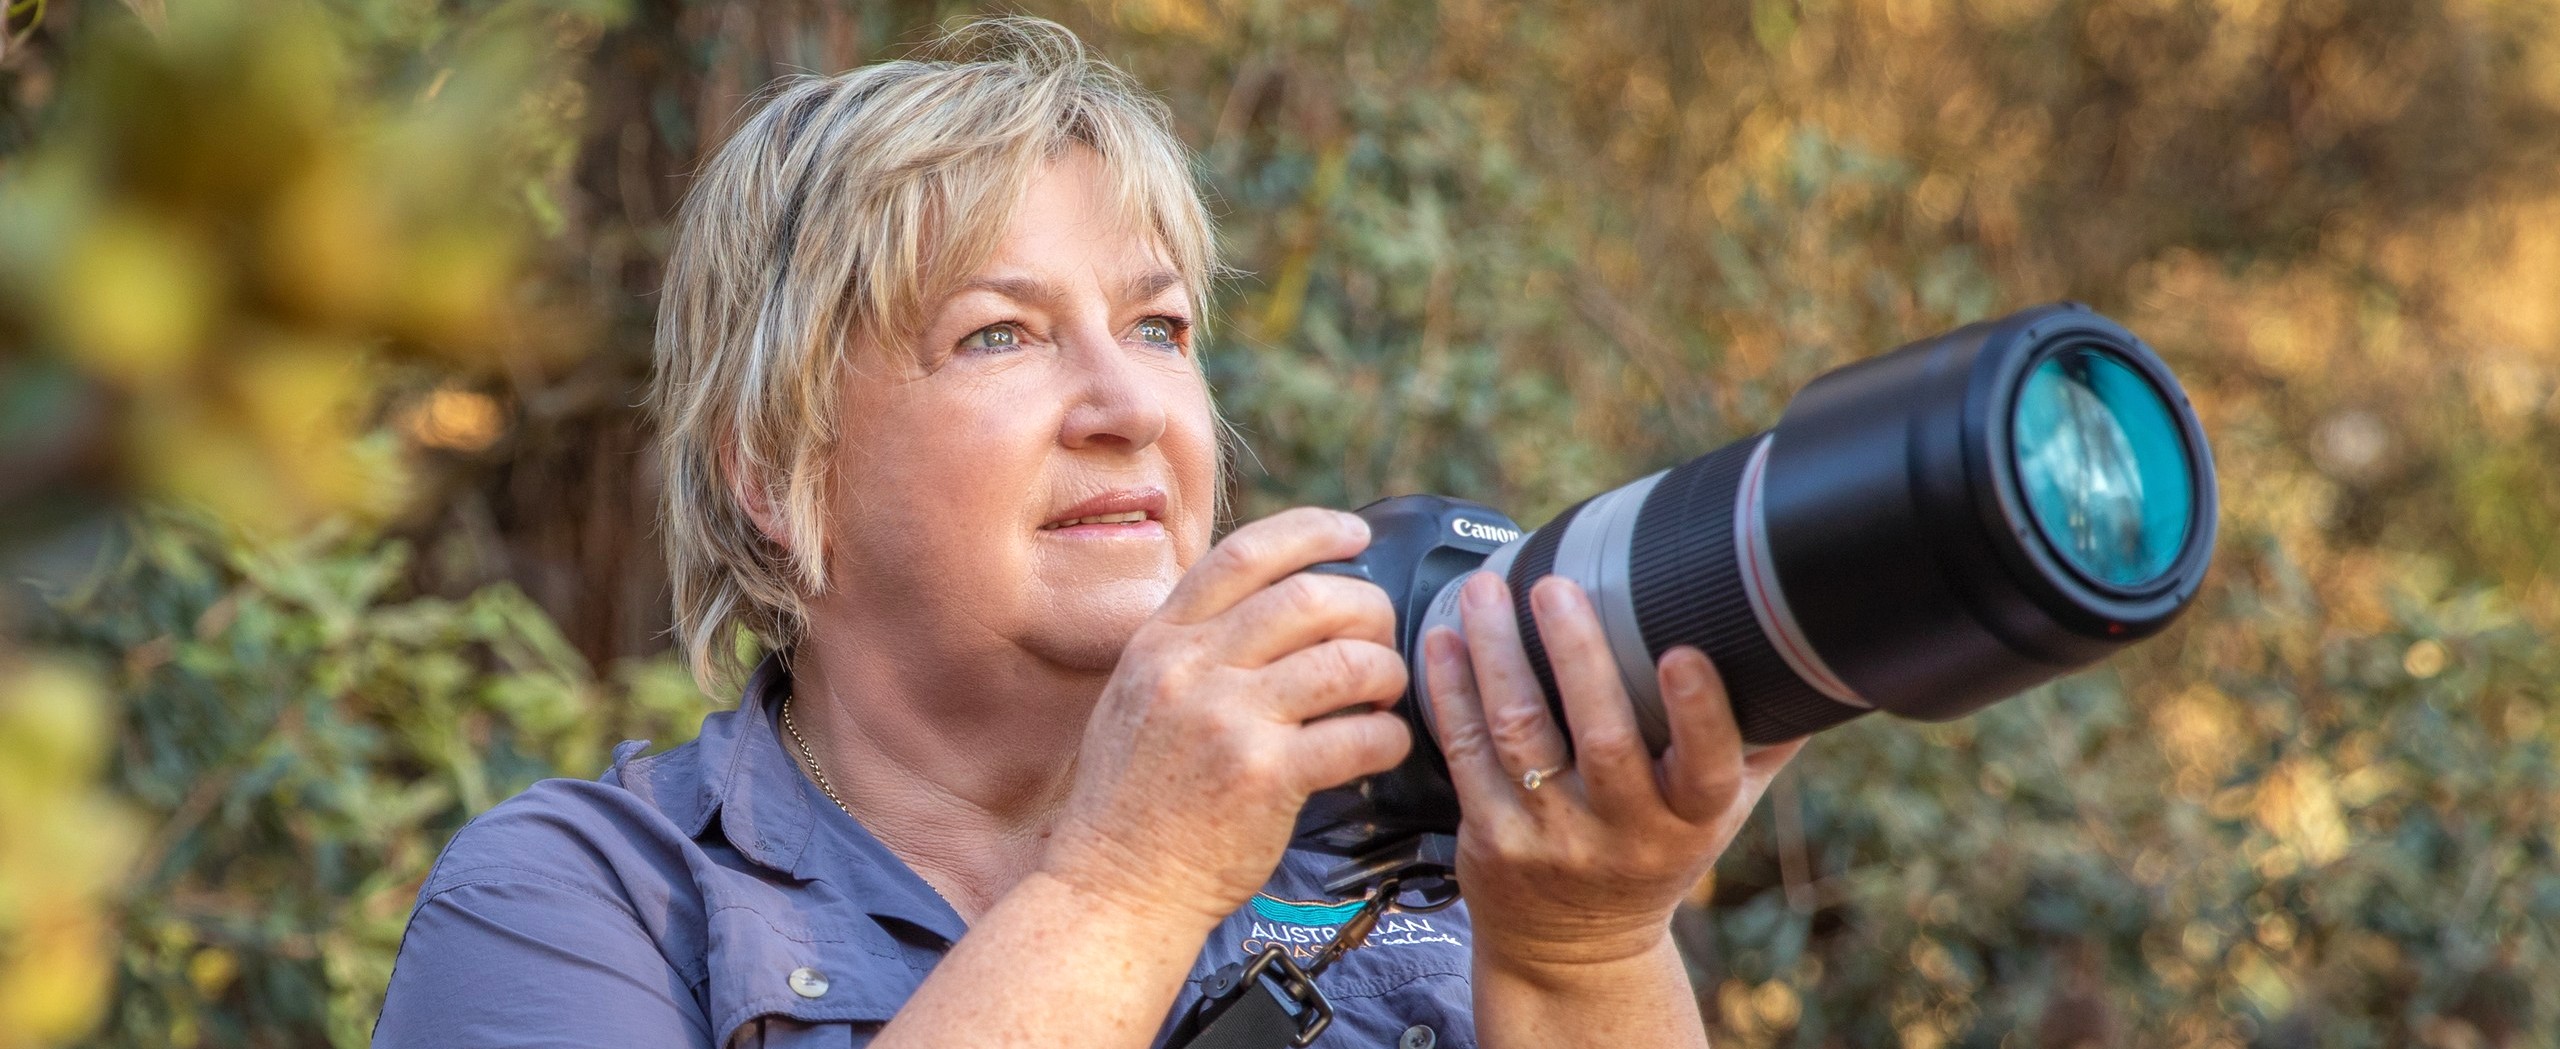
(816, 771)
(819, 773)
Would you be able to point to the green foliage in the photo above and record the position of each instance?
(2362, 869)
(308, 736)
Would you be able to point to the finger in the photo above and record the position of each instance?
(1334, 751)
(1763, 765)
(1760, 767)
(1515, 706)
(1702, 772)
(1259, 554)
(1608, 749)
(1457, 717)
(1333, 676)
(1299, 611)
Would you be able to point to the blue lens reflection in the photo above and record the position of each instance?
(2104, 468)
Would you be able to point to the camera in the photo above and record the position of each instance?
(1924, 532)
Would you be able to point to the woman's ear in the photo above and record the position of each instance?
(754, 496)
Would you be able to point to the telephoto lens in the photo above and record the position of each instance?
(1924, 532)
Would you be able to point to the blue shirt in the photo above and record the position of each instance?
(712, 896)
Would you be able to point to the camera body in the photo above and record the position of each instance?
(1418, 545)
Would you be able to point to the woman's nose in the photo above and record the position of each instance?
(1111, 398)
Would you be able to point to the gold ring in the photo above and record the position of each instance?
(1533, 778)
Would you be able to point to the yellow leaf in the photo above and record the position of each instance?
(133, 297)
(211, 970)
(56, 976)
(454, 289)
(328, 247)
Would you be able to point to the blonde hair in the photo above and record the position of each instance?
(845, 209)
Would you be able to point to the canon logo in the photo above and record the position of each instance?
(1480, 530)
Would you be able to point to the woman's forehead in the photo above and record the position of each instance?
(1079, 200)
(1069, 232)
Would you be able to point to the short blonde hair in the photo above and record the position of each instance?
(844, 209)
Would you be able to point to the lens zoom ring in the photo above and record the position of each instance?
(1536, 561)
(1688, 590)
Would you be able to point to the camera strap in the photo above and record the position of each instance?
(1271, 1002)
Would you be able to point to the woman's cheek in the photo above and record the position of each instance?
(1192, 451)
(936, 480)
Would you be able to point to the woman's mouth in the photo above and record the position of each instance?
(1131, 518)
(1121, 512)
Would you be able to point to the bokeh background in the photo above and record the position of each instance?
(326, 523)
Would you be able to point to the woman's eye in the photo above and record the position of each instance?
(1163, 331)
(997, 337)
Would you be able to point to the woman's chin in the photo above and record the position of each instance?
(1092, 648)
(1088, 633)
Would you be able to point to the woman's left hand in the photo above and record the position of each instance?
(1588, 867)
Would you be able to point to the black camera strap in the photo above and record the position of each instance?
(1255, 1015)
(1271, 1002)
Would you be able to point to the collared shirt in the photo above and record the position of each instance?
(711, 895)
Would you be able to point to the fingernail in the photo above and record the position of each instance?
(1438, 647)
(1482, 592)
(1683, 673)
(1555, 597)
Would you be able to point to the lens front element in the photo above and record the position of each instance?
(2102, 464)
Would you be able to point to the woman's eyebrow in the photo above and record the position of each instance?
(1148, 285)
(1038, 292)
(1031, 290)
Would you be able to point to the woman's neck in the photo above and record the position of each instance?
(960, 771)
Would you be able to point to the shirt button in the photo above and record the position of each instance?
(807, 982)
(1418, 1036)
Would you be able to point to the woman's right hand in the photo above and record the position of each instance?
(1254, 686)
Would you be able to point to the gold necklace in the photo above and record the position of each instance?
(816, 771)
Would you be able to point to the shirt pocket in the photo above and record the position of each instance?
(1429, 1011)
(774, 984)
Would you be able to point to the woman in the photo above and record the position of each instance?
(1024, 769)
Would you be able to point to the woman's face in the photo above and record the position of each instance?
(1041, 469)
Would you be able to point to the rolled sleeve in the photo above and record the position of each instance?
(521, 961)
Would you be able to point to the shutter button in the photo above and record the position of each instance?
(1418, 1036)
(810, 983)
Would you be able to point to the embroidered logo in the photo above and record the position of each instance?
(1306, 926)
(1296, 913)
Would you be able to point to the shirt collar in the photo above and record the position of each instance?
(773, 815)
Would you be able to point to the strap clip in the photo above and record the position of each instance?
(1263, 1003)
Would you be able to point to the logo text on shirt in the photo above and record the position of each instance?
(1306, 926)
